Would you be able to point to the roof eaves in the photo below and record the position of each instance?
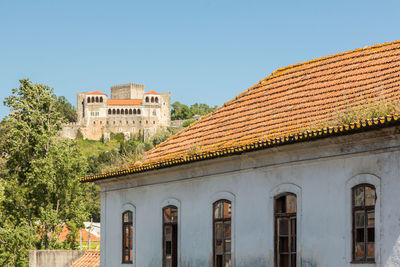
(363, 125)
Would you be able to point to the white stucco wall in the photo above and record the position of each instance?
(321, 173)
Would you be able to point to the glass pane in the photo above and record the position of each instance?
(168, 232)
(227, 210)
(228, 262)
(168, 248)
(359, 217)
(170, 215)
(284, 261)
(360, 251)
(283, 226)
(371, 250)
(291, 205)
(283, 244)
(360, 235)
(369, 196)
(174, 215)
(218, 210)
(218, 261)
(371, 218)
(227, 230)
(293, 226)
(359, 196)
(371, 235)
(228, 246)
(280, 204)
(293, 260)
(219, 247)
(293, 244)
(219, 231)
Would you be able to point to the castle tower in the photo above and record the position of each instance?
(127, 91)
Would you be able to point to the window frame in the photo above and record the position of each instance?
(365, 209)
(163, 235)
(223, 220)
(131, 235)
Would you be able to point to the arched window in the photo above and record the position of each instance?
(152, 99)
(113, 111)
(92, 99)
(170, 236)
(97, 99)
(147, 99)
(122, 111)
(130, 111)
(118, 111)
(156, 99)
(134, 111)
(285, 229)
(154, 113)
(126, 111)
(222, 211)
(138, 111)
(363, 220)
(109, 111)
(127, 237)
(88, 99)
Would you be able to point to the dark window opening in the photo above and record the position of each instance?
(363, 223)
(122, 111)
(97, 99)
(138, 111)
(156, 99)
(88, 99)
(101, 99)
(109, 111)
(127, 237)
(170, 236)
(130, 111)
(152, 99)
(147, 99)
(92, 99)
(222, 233)
(118, 111)
(285, 230)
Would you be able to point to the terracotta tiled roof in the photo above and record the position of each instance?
(62, 236)
(151, 93)
(91, 258)
(124, 102)
(279, 109)
(96, 93)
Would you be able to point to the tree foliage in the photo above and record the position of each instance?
(183, 112)
(40, 187)
(66, 109)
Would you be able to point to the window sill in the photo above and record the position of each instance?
(364, 264)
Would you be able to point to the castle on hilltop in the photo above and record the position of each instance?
(128, 110)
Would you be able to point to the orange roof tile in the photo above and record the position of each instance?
(96, 93)
(151, 93)
(280, 107)
(124, 102)
(91, 258)
(62, 236)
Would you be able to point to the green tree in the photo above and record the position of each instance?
(180, 111)
(40, 188)
(66, 109)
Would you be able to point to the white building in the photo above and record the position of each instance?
(248, 185)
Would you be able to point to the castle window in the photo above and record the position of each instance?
(114, 122)
(101, 122)
(156, 99)
(222, 233)
(101, 99)
(138, 111)
(92, 99)
(97, 99)
(147, 122)
(134, 111)
(117, 111)
(152, 99)
(154, 122)
(109, 111)
(130, 111)
(107, 122)
(122, 111)
(133, 122)
(147, 99)
(363, 213)
(88, 99)
(127, 122)
(126, 111)
(94, 122)
(114, 111)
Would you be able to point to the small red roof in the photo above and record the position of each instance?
(96, 93)
(91, 258)
(62, 236)
(151, 93)
(124, 102)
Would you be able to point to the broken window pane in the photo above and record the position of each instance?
(227, 210)
(219, 232)
(371, 218)
(227, 229)
(291, 205)
(219, 247)
(371, 235)
(218, 208)
(360, 250)
(360, 235)
(228, 262)
(371, 250)
(228, 246)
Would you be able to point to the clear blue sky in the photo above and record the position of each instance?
(202, 51)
